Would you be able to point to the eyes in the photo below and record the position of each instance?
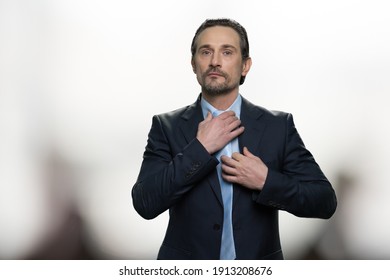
(209, 52)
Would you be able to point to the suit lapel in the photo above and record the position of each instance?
(252, 135)
(189, 127)
(191, 119)
(254, 128)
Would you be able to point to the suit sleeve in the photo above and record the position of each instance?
(299, 187)
(164, 176)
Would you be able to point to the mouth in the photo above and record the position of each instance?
(215, 74)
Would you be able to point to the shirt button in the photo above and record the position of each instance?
(216, 227)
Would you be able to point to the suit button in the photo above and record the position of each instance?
(216, 227)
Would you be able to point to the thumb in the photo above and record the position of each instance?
(209, 116)
(247, 152)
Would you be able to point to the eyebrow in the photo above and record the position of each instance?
(225, 46)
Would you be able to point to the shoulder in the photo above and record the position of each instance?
(186, 114)
(259, 111)
(177, 114)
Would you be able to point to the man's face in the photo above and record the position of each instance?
(217, 62)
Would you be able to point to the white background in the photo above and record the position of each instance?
(81, 80)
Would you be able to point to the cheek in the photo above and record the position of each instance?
(236, 73)
(234, 68)
(195, 68)
(199, 71)
(200, 65)
(198, 74)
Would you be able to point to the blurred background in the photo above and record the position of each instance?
(80, 81)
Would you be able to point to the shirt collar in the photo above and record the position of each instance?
(235, 107)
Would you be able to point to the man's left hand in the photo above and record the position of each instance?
(245, 169)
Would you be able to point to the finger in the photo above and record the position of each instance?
(237, 156)
(247, 153)
(228, 170)
(209, 116)
(226, 114)
(232, 126)
(231, 119)
(236, 132)
(230, 178)
(228, 161)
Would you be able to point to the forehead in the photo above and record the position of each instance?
(217, 36)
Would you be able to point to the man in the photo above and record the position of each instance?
(223, 166)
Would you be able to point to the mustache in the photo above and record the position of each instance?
(215, 70)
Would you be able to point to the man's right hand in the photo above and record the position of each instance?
(215, 133)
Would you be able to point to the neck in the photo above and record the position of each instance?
(221, 102)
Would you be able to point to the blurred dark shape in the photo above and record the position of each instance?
(68, 243)
(67, 237)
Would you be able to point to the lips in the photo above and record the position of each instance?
(214, 73)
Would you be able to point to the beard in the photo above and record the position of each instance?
(215, 88)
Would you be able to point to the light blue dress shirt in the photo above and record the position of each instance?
(227, 243)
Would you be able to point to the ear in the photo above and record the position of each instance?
(246, 66)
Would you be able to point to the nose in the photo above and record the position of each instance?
(215, 60)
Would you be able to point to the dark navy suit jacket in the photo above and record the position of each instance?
(178, 174)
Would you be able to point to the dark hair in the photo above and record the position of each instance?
(244, 42)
